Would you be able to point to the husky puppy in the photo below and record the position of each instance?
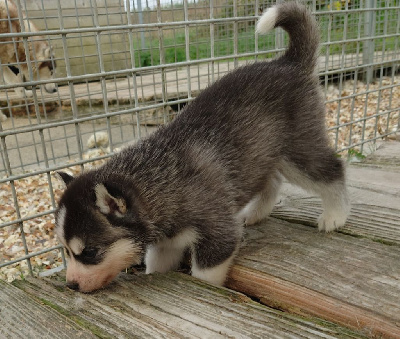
(13, 56)
(219, 165)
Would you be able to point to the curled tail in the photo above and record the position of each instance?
(302, 28)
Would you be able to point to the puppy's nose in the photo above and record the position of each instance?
(54, 90)
(73, 285)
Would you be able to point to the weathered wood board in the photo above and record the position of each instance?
(374, 187)
(175, 306)
(23, 316)
(386, 157)
(356, 280)
(351, 277)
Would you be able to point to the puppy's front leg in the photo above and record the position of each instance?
(214, 275)
(167, 254)
(160, 258)
(212, 258)
(22, 92)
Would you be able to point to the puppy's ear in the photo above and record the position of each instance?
(47, 53)
(67, 178)
(109, 204)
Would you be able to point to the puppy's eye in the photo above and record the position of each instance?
(89, 252)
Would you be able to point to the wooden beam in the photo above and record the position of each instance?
(290, 297)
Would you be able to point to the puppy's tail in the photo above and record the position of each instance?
(302, 28)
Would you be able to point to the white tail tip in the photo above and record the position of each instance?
(267, 21)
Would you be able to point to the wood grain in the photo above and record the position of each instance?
(306, 268)
(22, 316)
(175, 305)
(293, 298)
(374, 195)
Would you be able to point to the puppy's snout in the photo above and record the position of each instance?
(73, 285)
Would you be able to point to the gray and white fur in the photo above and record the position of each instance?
(194, 183)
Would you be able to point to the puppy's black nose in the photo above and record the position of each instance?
(73, 285)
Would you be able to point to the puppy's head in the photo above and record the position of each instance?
(101, 223)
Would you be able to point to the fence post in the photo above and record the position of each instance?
(279, 35)
(369, 45)
(140, 15)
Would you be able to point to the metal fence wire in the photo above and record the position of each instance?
(79, 79)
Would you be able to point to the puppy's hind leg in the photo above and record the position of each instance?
(336, 205)
(324, 176)
(261, 206)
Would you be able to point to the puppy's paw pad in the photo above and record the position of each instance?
(329, 223)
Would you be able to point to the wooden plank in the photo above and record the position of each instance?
(346, 276)
(22, 316)
(176, 306)
(374, 187)
(376, 222)
(387, 156)
(285, 295)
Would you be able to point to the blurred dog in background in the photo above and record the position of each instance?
(14, 57)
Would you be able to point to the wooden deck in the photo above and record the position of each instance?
(288, 281)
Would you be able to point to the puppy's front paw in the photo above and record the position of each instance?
(331, 222)
(23, 93)
(28, 93)
(253, 219)
(254, 212)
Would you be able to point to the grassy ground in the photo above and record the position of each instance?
(339, 31)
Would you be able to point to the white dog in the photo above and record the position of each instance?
(13, 56)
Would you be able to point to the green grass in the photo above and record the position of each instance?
(335, 28)
(352, 153)
(200, 48)
(341, 26)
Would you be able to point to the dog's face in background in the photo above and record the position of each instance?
(91, 222)
(46, 65)
(14, 53)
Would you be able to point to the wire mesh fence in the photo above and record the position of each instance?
(80, 79)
